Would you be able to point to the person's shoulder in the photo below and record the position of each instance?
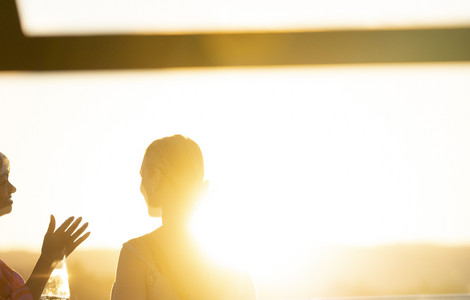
(140, 241)
(140, 247)
(4, 268)
(134, 242)
(135, 247)
(157, 234)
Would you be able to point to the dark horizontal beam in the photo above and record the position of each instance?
(106, 52)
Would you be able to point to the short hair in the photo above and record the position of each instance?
(4, 164)
(179, 158)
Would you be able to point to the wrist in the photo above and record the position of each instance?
(48, 260)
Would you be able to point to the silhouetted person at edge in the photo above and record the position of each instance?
(166, 264)
(57, 243)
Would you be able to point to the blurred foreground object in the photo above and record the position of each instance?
(273, 48)
(57, 287)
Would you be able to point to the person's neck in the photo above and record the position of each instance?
(176, 235)
(175, 223)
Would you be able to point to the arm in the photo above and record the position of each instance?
(130, 278)
(38, 279)
(56, 245)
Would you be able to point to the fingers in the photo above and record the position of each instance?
(79, 231)
(75, 236)
(80, 240)
(67, 228)
(65, 224)
(74, 226)
(75, 244)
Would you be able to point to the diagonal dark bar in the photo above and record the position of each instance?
(107, 52)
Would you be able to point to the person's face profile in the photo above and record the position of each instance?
(149, 187)
(6, 189)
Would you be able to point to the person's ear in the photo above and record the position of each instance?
(156, 178)
(154, 205)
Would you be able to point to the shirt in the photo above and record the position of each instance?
(12, 285)
(140, 277)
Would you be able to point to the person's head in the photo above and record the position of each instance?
(172, 175)
(6, 188)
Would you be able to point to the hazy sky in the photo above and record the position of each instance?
(296, 157)
(306, 156)
(76, 16)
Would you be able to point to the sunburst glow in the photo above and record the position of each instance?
(241, 236)
(293, 161)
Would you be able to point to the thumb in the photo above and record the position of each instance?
(51, 227)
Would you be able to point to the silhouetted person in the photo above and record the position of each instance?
(166, 264)
(57, 243)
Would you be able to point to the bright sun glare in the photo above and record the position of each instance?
(232, 237)
(287, 174)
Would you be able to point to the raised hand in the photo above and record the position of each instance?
(57, 244)
(61, 242)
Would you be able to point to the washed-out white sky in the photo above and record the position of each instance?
(312, 155)
(296, 157)
(164, 16)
